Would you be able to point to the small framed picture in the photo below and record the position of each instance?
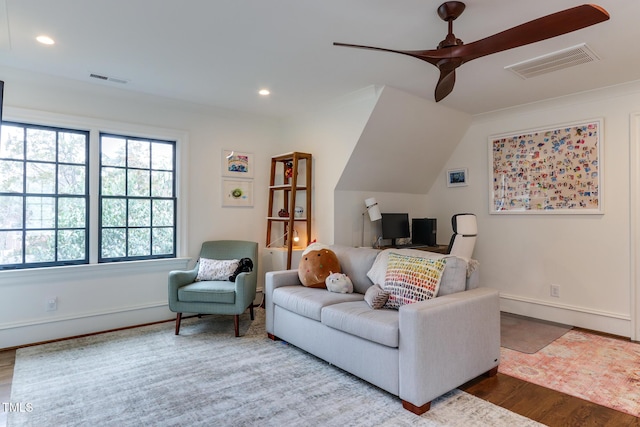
(236, 193)
(457, 177)
(237, 164)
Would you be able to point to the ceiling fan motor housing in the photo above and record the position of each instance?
(448, 12)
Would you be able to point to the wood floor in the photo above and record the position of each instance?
(546, 406)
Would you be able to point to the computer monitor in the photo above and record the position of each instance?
(423, 231)
(395, 226)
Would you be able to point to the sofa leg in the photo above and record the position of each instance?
(236, 324)
(492, 372)
(272, 337)
(418, 410)
(251, 312)
(178, 320)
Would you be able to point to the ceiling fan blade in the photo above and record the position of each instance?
(547, 27)
(445, 83)
(425, 55)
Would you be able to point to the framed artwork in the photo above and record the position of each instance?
(547, 171)
(457, 177)
(237, 164)
(237, 193)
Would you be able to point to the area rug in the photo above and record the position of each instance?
(528, 335)
(599, 369)
(206, 377)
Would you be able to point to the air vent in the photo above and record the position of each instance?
(108, 78)
(549, 63)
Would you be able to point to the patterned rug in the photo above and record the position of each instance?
(599, 369)
(206, 377)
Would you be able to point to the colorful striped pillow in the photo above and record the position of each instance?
(412, 279)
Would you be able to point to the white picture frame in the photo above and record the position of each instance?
(457, 177)
(237, 164)
(237, 193)
(552, 170)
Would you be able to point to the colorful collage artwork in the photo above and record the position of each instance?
(552, 170)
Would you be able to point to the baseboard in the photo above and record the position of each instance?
(611, 323)
(29, 332)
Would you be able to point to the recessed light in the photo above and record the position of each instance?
(264, 92)
(45, 40)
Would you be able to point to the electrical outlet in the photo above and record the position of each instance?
(52, 303)
(555, 291)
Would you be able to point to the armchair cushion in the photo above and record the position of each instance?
(212, 269)
(208, 291)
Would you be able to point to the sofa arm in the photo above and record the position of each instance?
(272, 281)
(447, 341)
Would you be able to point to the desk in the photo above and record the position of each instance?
(439, 249)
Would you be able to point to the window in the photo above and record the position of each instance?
(44, 194)
(137, 198)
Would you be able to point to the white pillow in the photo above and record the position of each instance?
(212, 269)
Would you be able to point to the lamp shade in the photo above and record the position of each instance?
(373, 209)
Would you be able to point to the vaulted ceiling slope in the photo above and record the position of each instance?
(404, 144)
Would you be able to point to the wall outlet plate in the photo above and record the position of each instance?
(52, 303)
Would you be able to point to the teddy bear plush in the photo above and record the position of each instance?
(339, 283)
(316, 264)
(244, 265)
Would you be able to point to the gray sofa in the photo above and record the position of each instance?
(418, 352)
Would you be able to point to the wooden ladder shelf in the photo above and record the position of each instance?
(285, 181)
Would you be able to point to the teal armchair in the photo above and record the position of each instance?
(216, 297)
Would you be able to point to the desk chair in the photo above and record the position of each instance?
(465, 232)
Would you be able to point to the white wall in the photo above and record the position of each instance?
(403, 145)
(98, 297)
(587, 255)
(330, 134)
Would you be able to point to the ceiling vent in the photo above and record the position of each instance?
(108, 78)
(555, 61)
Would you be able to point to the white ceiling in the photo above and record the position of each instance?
(220, 52)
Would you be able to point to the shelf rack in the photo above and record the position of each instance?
(286, 168)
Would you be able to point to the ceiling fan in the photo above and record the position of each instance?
(452, 52)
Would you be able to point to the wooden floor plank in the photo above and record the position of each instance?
(544, 405)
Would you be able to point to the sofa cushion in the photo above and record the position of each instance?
(208, 291)
(355, 263)
(412, 279)
(454, 277)
(213, 269)
(308, 302)
(357, 318)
